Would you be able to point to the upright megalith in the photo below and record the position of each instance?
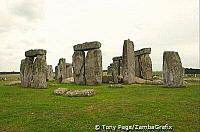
(69, 70)
(78, 62)
(39, 72)
(172, 69)
(63, 70)
(128, 60)
(93, 67)
(87, 69)
(50, 74)
(143, 64)
(33, 69)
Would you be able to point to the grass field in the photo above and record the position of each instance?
(27, 109)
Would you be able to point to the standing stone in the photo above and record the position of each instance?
(26, 71)
(33, 69)
(172, 69)
(62, 67)
(115, 71)
(69, 70)
(78, 62)
(145, 67)
(57, 73)
(93, 67)
(121, 65)
(50, 74)
(109, 70)
(128, 62)
(137, 67)
(39, 72)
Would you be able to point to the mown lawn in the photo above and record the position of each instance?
(27, 109)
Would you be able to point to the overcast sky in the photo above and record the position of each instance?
(57, 25)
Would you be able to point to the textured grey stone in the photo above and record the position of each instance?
(137, 67)
(33, 69)
(145, 66)
(60, 91)
(80, 93)
(143, 51)
(87, 46)
(57, 73)
(78, 62)
(69, 70)
(115, 71)
(26, 71)
(128, 62)
(35, 52)
(50, 74)
(172, 69)
(39, 72)
(107, 79)
(117, 58)
(93, 67)
(63, 70)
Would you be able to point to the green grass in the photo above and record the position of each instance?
(27, 109)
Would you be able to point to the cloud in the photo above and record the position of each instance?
(29, 9)
(58, 25)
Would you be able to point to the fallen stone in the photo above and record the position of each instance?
(13, 83)
(116, 86)
(60, 91)
(80, 93)
(87, 46)
(151, 82)
(35, 52)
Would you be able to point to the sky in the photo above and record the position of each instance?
(57, 25)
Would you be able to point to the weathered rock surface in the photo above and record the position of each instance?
(115, 71)
(145, 67)
(117, 58)
(63, 70)
(137, 67)
(93, 67)
(107, 79)
(35, 52)
(116, 86)
(69, 70)
(39, 72)
(78, 62)
(33, 69)
(143, 51)
(151, 82)
(128, 68)
(57, 73)
(60, 91)
(68, 80)
(80, 93)
(172, 69)
(87, 46)
(13, 83)
(50, 74)
(26, 71)
(75, 93)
